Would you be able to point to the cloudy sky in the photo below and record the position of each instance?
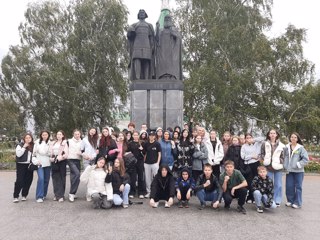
(301, 13)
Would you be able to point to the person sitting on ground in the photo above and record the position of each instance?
(184, 185)
(120, 183)
(262, 186)
(234, 186)
(162, 187)
(208, 188)
(94, 176)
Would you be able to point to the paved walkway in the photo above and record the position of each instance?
(53, 220)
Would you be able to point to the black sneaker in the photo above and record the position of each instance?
(186, 204)
(227, 207)
(202, 206)
(241, 209)
(180, 204)
(259, 209)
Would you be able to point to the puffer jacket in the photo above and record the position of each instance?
(200, 157)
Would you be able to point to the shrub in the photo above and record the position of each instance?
(312, 167)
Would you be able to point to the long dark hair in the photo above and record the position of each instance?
(298, 136)
(31, 144)
(105, 141)
(124, 143)
(278, 134)
(122, 168)
(177, 127)
(40, 136)
(64, 136)
(93, 140)
(187, 141)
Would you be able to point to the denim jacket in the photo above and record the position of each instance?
(296, 160)
(167, 153)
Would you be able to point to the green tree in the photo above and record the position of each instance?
(236, 73)
(68, 70)
(11, 119)
(303, 113)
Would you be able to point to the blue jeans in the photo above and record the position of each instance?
(204, 196)
(259, 198)
(43, 181)
(123, 198)
(277, 182)
(294, 187)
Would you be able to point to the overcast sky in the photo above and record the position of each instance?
(301, 13)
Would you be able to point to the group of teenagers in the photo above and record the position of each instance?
(163, 164)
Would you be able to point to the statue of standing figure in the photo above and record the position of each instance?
(168, 51)
(141, 48)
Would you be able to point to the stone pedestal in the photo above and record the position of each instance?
(159, 103)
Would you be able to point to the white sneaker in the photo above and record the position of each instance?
(60, 200)
(125, 205)
(15, 200)
(89, 199)
(288, 204)
(147, 195)
(71, 197)
(131, 196)
(24, 199)
(55, 199)
(155, 205)
(295, 206)
(141, 196)
(166, 205)
(40, 200)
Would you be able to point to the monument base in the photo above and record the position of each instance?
(157, 103)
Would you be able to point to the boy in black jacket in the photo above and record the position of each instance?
(162, 187)
(208, 188)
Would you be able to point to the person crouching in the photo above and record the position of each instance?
(184, 185)
(162, 187)
(208, 188)
(120, 183)
(263, 190)
(101, 193)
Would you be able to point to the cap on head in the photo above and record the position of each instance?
(152, 133)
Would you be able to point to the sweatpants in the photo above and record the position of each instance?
(59, 180)
(23, 180)
(74, 166)
(150, 171)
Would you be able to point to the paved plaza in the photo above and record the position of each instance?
(53, 220)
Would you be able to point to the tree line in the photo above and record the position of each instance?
(70, 68)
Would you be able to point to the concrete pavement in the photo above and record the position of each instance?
(77, 220)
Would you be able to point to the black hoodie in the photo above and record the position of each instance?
(163, 184)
